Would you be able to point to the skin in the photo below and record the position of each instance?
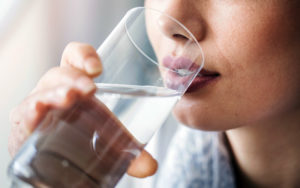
(254, 45)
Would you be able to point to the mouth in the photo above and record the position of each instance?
(202, 79)
(181, 71)
(180, 65)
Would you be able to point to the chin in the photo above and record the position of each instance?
(203, 121)
(196, 121)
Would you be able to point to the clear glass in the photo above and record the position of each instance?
(146, 71)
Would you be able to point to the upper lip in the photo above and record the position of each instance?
(176, 63)
(181, 63)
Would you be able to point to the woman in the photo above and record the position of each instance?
(252, 47)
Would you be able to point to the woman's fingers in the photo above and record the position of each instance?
(143, 166)
(59, 88)
(66, 76)
(82, 57)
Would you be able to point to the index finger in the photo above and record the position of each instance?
(82, 57)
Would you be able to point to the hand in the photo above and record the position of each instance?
(59, 88)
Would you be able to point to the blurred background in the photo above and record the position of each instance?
(33, 35)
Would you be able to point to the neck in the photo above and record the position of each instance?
(267, 155)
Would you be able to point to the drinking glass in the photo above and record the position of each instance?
(149, 61)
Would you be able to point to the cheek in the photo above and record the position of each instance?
(261, 48)
(241, 100)
(258, 61)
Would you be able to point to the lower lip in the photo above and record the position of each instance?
(201, 82)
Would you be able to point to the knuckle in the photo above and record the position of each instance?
(86, 51)
(69, 51)
(82, 49)
(34, 103)
(75, 54)
(70, 46)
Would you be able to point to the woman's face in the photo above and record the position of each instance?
(254, 47)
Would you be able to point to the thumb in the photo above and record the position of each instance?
(144, 165)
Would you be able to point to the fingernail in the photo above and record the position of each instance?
(85, 84)
(93, 66)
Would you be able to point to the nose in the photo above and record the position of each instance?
(185, 13)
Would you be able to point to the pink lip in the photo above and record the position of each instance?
(180, 63)
(200, 82)
(174, 80)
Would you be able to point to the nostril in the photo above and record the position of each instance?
(172, 29)
(179, 36)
